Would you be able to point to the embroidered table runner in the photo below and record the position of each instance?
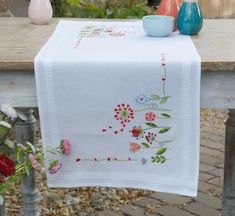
(122, 107)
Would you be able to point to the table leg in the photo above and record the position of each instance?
(25, 131)
(229, 168)
(2, 205)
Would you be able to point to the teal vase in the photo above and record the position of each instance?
(190, 19)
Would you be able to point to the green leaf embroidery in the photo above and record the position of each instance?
(161, 151)
(155, 97)
(146, 145)
(164, 141)
(158, 159)
(163, 159)
(164, 130)
(150, 124)
(164, 100)
(166, 115)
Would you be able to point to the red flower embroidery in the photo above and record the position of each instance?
(7, 167)
(137, 131)
(150, 116)
(123, 113)
(134, 147)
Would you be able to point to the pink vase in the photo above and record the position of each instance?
(40, 11)
(169, 8)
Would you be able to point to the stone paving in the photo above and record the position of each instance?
(208, 201)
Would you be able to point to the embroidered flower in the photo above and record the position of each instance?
(150, 137)
(137, 132)
(143, 161)
(34, 162)
(141, 100)
(55, 165)
(65, 146)
(8, 111)
(7, 167)
(150, 116)
(123, 113)
(134, 147)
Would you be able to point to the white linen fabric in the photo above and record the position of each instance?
(128, 104)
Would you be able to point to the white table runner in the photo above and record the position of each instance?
(127, 103)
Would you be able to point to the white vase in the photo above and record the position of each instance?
(40, 11)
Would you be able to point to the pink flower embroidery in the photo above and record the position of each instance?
(134, 147)
(34, 162)
(150, 137)
(123, 113)
(65, 146)
(55, 165)
(150, 116)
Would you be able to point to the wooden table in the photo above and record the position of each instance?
(20, 41)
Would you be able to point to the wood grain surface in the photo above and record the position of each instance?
(20, 41)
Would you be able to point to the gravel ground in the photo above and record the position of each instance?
(89, 201)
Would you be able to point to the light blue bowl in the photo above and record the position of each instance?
(158, 26)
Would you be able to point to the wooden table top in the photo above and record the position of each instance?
(20, 41)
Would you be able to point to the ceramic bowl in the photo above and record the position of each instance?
(158, 26)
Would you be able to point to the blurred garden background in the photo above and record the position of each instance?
(114, 8)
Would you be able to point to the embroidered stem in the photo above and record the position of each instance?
(163, 142)
(153, 147)
(149, 128)
(156, 109)
(165, 74)
(164, 82)
(108, 159)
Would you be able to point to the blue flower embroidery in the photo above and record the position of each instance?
(141, 100)
(143, 161)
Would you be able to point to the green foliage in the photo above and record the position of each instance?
(109, 9)
(15, 162)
